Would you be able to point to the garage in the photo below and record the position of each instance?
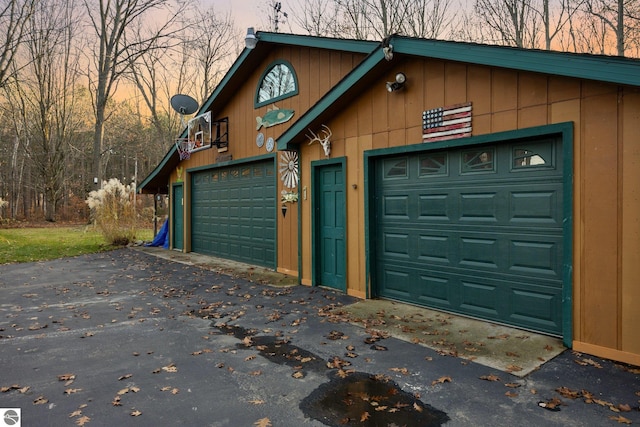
(233, 212)
(474, 230)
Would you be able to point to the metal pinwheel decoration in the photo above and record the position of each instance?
(289, 169)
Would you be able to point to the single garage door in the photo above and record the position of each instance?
(233, 213)
(476, 231)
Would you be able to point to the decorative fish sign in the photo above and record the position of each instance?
(275, 116)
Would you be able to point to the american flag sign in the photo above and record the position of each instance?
(443, 123)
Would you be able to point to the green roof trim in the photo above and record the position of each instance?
(610, 69)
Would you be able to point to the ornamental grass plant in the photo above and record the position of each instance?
(114, 211)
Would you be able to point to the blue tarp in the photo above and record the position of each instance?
(162, 238)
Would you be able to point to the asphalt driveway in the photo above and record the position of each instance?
(127, 338)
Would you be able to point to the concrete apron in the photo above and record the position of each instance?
(499, 347)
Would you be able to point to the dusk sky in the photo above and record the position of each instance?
(248, 13)
(245, 12)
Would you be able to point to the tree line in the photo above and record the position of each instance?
(85, 84)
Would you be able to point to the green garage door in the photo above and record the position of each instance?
(233, 213)
(476, 231)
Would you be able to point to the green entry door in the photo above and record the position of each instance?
(329, 209)
(476, 231)
(178, 217)
(233, 212)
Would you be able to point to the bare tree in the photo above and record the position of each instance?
(14, 15)
(429, 18)
(211, 40)
(113, 55)
(318, 18)
(511, 22)
(48, 87)
(620, 17)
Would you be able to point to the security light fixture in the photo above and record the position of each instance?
(250, 41)
(398, 84)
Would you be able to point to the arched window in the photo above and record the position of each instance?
(278, 82)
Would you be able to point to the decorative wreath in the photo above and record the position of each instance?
(289, 168)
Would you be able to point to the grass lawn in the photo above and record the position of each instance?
(35, 244)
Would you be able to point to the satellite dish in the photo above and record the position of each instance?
(184, 104)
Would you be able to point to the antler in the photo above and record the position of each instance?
(324, 140)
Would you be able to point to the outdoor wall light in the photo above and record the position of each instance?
(398, 83)
(250, 41)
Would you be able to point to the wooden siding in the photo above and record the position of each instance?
(606, 205)
(317, 70)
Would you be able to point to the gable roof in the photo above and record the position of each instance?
(608, 69)
(245, 64)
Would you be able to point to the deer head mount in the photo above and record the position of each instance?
(323, 139)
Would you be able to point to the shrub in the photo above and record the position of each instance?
(113, 211)
(3, 203)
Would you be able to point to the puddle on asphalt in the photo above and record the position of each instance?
(361, 399)
(350, 399)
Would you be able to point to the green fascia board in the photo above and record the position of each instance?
(345, 45)
(610, 69)
(602, 68)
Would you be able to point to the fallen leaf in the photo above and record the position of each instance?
(116, 401)
(123, 391)
(40, 400)
(297, 375)
(513, 385)
(170, 368)
(66, 377)
(490, 377)
(82, 420)
(568, 393)
(620, 419)
(417, 407)
(551, 405)
(124, 377)
(441, 380)
(263, 422)
(75, 413)
(72, 390)
(175, 391)
(513, 368)
(136, 413)
(623, 407)
(511, 394)
(257, 402)
(364, 417)
(403, 371)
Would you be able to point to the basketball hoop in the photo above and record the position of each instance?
(184, 147)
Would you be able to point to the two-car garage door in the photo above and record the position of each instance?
(476, 231)
(233, 212)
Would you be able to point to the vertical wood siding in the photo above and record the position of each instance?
(606, 202)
